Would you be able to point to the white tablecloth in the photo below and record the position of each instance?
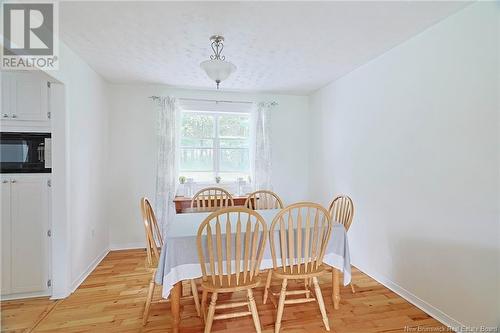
(179, 256)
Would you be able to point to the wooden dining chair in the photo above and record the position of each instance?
(263, 199)
(230, 260)
(211, 198)
(299, 235)
(342, 211)
(154, 242)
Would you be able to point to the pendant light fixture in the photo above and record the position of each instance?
(217, 68)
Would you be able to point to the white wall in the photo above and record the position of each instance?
(413, 137)
(82, 239)
(132, 152)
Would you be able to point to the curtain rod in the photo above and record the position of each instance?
(205, 100)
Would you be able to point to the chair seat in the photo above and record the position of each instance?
(230, 286)
(298, 272)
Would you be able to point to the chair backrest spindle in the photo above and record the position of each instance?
(154, 239)
(263, 199)
(342, 210)
(211, 197)
(235, 258)
(302, 231)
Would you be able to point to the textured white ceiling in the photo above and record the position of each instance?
(293, 47)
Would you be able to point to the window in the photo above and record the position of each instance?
(214, 144)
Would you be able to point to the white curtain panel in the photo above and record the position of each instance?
(168, 111)
(262, 155)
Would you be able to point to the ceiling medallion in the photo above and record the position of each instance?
(217, 68)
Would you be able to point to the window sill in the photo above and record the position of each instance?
(205, 183)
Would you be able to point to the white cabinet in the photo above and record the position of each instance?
(24, 100)
(25, 239)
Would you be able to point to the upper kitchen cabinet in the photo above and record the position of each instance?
(25, 102)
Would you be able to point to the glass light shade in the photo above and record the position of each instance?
(218, 70)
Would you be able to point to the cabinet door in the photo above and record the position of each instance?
(30, 223)
(6, 234)
(29, 97)
(6, 81)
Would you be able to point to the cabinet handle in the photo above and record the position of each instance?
(5, 115)
(14, 116)
(5, 181)
(13, 181)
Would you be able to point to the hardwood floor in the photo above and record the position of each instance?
(112, 298)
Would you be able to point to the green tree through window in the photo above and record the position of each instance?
(215, 144)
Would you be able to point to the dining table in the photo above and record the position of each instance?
(179, 257)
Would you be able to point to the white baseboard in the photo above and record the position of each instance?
(25, 295)
(412, 298)
(127, 246)
(89, 270)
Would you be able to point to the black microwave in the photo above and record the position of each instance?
(22, 152)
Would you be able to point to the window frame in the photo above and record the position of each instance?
(216, 143)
